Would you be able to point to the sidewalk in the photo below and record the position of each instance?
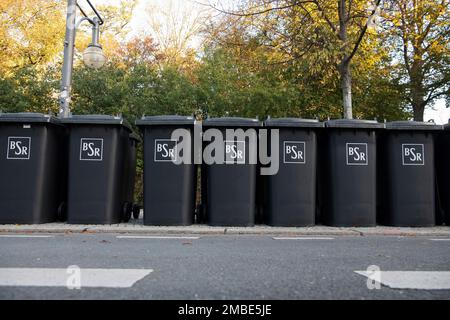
(136, 227)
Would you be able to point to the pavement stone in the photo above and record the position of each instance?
(137, 227)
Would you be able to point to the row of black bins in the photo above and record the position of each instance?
(80, 169)
(335, 177)
(99, 155)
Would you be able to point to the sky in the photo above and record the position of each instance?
(140, 24)
(440, 114)
(140, 20)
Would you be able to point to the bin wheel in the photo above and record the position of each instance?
(126, 211)
(136, 211)
(62, 212)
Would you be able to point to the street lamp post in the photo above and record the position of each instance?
(93, 56)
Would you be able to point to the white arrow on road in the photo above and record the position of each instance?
(424, 280)
(64, 277)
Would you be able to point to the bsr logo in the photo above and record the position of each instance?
(19, 148)
(357, 154)
(165, 150)
(413, 154)
(235, 152)
(91, 149)
(294, 152)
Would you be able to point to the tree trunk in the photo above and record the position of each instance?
(418, 110)
(344, 66)
(417, 90)
(346, 86)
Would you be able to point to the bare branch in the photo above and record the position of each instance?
(363, 32)
(249, 14)
(435, 96)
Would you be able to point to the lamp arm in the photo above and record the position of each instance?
(83, 19)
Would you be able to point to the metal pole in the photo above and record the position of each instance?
(69, 47)
(95, 31)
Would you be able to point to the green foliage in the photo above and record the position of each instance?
(230, 87)
(29, 90)
(223, 85)
(132, 92)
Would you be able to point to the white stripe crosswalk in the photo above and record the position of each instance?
(70, 277)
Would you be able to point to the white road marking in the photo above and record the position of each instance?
(302, 238)
(440, 239)
(157, 237)
(50, 277)
(24, 236)
(423, 280)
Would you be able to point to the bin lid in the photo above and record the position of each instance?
(447, 126)
(97, 119)
(412, 125)
(293, 122)
(232, 122)
(354, 123)
(165, 120)
(28, 117)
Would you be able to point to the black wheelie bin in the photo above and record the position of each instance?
(169, 170)
(290, 197)
(408, 174)
(32, 168)
(348, 182)
(98, 152)
(230, 180)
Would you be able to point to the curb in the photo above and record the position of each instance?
(136, 228)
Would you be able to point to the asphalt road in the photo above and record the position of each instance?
(219, 267)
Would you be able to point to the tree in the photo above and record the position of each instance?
(30, 34)
(132, 84)
(137, 51)
(176, 29)
(31, 43)
(288, 53)
(29, 90)
(420, 32)
(334, 29)
(228, 84)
